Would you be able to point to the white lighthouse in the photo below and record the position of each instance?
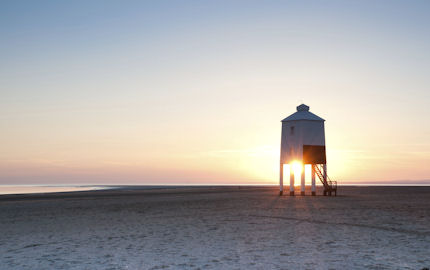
(303, 142)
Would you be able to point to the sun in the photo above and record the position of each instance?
(297, 167)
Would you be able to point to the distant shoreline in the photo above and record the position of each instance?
(60, 189)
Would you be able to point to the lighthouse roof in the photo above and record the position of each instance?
(303, 113)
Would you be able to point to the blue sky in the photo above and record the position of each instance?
(113, 91)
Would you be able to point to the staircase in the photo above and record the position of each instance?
(329, 185)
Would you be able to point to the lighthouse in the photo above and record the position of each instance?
(303, 142)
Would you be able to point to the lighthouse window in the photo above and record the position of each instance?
(291, 130)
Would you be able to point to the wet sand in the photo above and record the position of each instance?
(217, 228)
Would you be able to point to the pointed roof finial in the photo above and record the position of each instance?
(302, 108)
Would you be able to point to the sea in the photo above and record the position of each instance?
(28, 189)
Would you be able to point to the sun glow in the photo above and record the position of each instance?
(297, 168)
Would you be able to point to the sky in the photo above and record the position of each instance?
(193, 92)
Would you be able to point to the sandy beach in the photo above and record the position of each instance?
(217, 228)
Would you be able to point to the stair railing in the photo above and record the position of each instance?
(327, 182)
